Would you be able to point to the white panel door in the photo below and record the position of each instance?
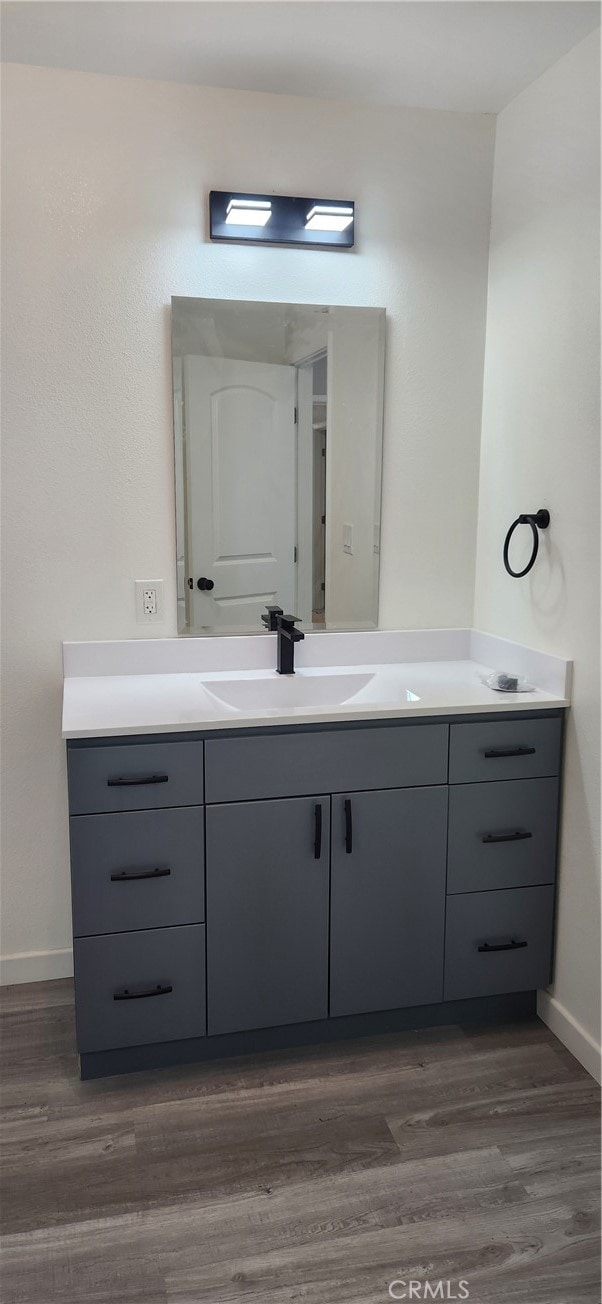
(240, 441)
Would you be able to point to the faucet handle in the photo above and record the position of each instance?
(271, 620)
(288, 624)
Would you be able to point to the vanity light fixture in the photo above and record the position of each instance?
(281, 220)
(329, 217)
(248, 212)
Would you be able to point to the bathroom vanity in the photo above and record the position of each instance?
(261, 857)
(241, 886)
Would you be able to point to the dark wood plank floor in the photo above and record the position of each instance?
(319, 1175)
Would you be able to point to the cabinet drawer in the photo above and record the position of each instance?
(504, 749)
(299, 764)
(519, 923)
(139, 776)
(113, 974)
(502, 834)
(140, 869)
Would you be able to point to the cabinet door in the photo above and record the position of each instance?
(387, 899)
(267, 913)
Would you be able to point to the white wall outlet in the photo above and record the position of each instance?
(149, 601)
(347, 538)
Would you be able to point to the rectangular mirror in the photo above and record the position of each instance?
(278, 444)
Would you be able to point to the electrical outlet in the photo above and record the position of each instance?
(149, 601)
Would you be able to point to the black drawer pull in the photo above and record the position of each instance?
(512, 945)
(138, 993)
(128, 875)
(318, 831)
(135, 780)
(348, 826)
(519, 835)
(500, 753)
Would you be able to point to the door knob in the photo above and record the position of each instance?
(205, 585)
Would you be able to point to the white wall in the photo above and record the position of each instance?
(540, 448)
(104, 193)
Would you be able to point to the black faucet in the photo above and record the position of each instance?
(287, 637)
(284, 627)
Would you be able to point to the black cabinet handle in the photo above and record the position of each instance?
(501, 752)
(138, 993)
(135, 780)
(348, 826)
(519, 835)
(318, 831)
(512, 945)
(128, 875)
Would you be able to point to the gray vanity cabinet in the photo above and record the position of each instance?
(267, 899)
(387, 899)
(258, 888)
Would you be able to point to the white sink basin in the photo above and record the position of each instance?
(273, 691)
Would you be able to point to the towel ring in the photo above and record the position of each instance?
(538, 521)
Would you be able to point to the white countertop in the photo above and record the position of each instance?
(108, 704)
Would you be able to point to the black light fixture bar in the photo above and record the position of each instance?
(281, 220)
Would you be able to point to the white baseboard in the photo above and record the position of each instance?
(35, 966)
(571, 1033)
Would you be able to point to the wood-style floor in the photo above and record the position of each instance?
(314, 1175)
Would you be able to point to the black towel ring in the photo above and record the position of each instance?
(538, 521)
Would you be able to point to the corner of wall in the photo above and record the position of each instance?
(571, 1033)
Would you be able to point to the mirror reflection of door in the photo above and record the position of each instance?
(278, 443)
(239, 420)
